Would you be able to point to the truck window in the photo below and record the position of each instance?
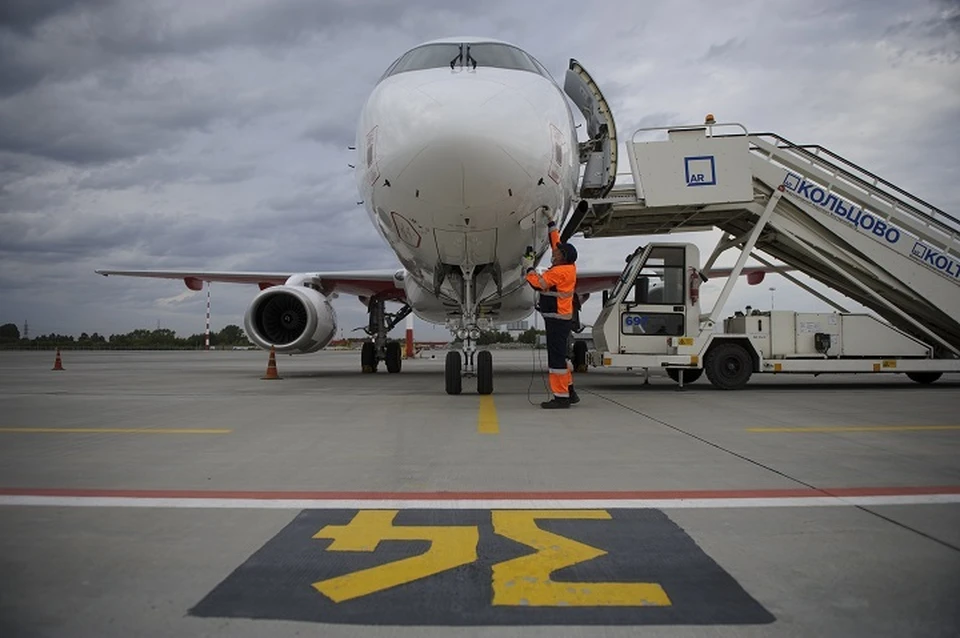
(661, 280)
(652, 323)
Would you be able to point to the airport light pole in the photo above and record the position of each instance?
(772, 290)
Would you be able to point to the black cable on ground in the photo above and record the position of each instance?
(862, 508)
(536, 363)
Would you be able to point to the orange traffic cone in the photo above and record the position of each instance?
(272, 366)
(58, 364)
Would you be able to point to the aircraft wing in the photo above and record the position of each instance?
(359, 283)
(596, 281)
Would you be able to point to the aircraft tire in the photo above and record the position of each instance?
(580, 356)
(484, 372)
(689, 376)
(394, 357)
(728, 366)
(368, 357)
(452, 367)
(926, 378)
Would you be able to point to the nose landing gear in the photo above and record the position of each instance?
(469, 362)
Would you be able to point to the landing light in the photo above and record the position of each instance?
(461, 333)
(474, 334)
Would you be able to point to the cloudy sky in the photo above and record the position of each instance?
(213, 135)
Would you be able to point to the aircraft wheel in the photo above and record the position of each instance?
(926, 378)
(368, 357)
(689, 376)
(393, 358)
(452, 368)
(484, 372)
(728, 366)
(580, 356)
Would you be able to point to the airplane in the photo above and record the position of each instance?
(466, 147)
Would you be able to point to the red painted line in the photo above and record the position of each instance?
(469, 496)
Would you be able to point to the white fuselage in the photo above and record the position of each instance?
(455, 166)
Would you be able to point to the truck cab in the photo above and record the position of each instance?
(655, 300)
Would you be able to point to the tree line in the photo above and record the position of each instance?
(492, 337)
(140, 339)
(165, 339)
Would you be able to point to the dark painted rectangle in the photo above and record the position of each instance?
(642, 545)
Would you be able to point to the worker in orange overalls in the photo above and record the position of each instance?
(556, 288)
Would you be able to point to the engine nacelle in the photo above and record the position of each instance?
(292, 319)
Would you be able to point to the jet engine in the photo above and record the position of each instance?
(292, 319)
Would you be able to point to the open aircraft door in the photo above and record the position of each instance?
(599, 153)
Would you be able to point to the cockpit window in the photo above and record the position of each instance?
(429, 56)
(467, 56)
(501, 56)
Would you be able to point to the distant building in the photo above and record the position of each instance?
(517, 325)
(515, 328)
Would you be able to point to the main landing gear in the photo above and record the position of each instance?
(379, 349)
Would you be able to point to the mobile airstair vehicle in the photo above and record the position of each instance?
(802, 206)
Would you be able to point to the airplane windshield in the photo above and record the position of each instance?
(475, 55)
(429, 56)
(501, 56)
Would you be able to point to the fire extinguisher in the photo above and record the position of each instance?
(694, 286)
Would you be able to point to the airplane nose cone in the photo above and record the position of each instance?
(463, 140)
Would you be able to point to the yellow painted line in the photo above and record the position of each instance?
(487, 422)
(858, 428)
(109, 431)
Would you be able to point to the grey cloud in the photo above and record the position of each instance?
(23, 16)
(111, 34)
(150, 173)
(719, 51)
(661, 118)
(336, 134)
(265, 24)
(80, 127)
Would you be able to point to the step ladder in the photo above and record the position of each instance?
(836, 222)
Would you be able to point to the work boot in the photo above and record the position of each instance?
(556, 403)
(574, 397)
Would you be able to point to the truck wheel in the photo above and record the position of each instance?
(579, 356)
(926, 378)
(728, 366)
(689, 376)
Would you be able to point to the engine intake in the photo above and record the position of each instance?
(292, 319)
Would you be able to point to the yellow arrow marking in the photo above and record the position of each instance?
(450, 547)
(526, 580)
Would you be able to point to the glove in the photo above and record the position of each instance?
(551, 218)
(528, 262)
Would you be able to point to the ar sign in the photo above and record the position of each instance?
(700, 170)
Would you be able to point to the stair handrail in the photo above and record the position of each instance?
(936, 215)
